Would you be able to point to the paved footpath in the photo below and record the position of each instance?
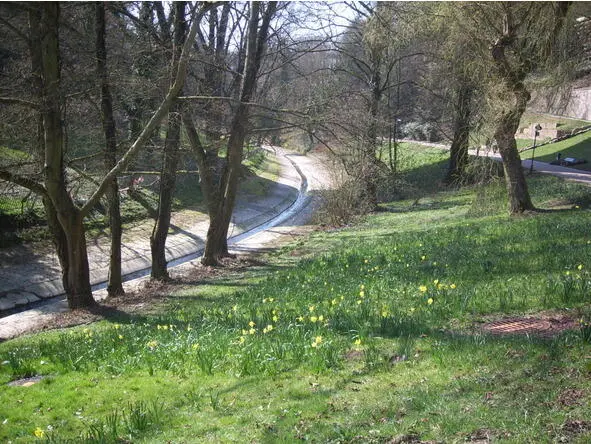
(28, 276)
(546, 168)
(540, 167)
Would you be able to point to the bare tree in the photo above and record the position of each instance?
(171, 159)
(67, 219)
(511, 41)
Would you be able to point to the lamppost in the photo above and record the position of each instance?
(537, 130)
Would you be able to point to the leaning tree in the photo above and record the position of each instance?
(65, 215)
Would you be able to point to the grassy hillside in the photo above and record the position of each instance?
(367, 334)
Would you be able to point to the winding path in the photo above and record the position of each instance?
(288, 203)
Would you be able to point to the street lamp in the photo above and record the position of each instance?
(537, 130)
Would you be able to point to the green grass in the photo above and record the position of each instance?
(578, 146)
(564, 123)
(374, 335)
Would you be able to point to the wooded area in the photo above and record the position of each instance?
(92, 91)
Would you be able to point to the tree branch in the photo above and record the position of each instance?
(17, 101)
(162, 110)
(25, 182)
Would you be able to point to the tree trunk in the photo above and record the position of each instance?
(115, 280)
(370, 169)
(58, 236)
(76, 275)
(167, 187)
(519, 199)
(458, 153)
(216, 245)
(171, 159)
(512, 78)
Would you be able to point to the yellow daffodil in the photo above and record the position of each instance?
(361, 293)
(430, 301)
(251, 324)
(423, 288)
(275, 318)
(580, 267)
(39, 433)
(311, 308)
(252, 331)
(120, 337)
(357, 342)
(313, 319)
(452, 286)
(321, 318)
(152, 344)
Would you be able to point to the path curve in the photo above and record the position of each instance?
(302, 174)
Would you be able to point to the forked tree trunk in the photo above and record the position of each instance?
(64, 217)
(171, 160)
(58, 236)
(216, 245)
(115, 279)
(76, 274)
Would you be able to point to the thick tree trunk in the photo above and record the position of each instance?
(515, 101)
(115, 280)
(76, 275)
(519, 198)
(458, 153)
(216, 245)
(60, 242)
(58, 236)
(171, 160)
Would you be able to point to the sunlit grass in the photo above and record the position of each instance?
(578, 147)
(371, 335)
